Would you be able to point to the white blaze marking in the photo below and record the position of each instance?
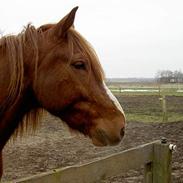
(113, 98)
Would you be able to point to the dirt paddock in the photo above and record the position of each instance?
(53, 146)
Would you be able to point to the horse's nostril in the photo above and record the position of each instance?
(122, 132)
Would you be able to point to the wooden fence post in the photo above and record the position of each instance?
(165, 117)
(161, 168)
(164, 108)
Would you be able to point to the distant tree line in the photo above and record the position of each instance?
(168, 76)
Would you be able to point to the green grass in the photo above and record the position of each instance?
(153, 117)
(143, 117)
(175, 117)
(164, 89)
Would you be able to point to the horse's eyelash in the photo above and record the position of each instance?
(79, 65)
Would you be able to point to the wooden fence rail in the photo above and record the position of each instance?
(155, 156)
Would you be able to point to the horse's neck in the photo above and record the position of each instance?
(13, 114)
(11, 118)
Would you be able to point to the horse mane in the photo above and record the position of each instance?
(13, 46)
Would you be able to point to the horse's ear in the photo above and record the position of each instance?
(64, 24)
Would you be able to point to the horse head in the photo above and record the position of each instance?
(70, 84)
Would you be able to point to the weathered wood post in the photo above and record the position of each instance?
(120, 89)
(159, 89)
(159, 170)
(162, 162)
(164, 108)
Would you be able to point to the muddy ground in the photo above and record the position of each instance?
(53, 146)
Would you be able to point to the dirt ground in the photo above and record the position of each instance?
(53, 146)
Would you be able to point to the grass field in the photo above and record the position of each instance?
(147, 89)
(142, 102)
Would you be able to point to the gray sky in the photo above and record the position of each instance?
(133, 38)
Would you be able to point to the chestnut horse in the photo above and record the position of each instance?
(54, 68)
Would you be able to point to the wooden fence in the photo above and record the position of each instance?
(155, 157)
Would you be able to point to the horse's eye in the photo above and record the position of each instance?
(79, 65)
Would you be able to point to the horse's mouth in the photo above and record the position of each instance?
(100, 138)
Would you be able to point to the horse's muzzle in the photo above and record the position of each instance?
(102, 138)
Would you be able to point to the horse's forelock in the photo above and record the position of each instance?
(85, 47)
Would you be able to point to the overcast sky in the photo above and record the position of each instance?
(133, 38)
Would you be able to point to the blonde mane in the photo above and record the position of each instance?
(13, 47)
